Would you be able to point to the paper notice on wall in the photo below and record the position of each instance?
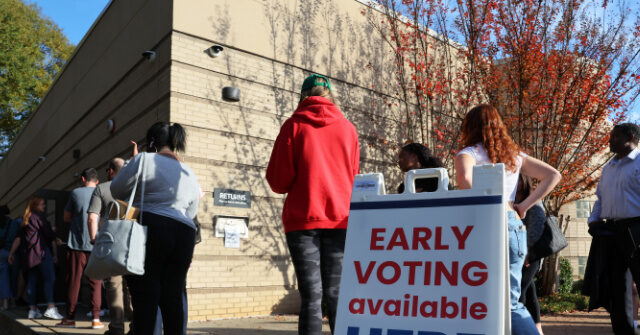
(231, 237)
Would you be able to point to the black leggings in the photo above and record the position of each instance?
(529, 297)
(317, 258)
(167, 259)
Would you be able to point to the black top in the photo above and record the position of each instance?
(425, 184)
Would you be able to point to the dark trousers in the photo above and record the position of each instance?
(167, 259)
(528, 295)
(621, 300)
(46, 270)
(317, 258)
(77, 261)
(185, 309)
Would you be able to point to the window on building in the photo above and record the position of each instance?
(582, 265)
(583, 208)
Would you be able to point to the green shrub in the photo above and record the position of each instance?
(563, 302)
(566, 277)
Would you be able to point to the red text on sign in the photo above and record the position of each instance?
(419, 238)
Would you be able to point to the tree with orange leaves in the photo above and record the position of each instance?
(561, 72)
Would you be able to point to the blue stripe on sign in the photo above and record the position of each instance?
(484, 200)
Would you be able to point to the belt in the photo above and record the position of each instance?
(622, 221)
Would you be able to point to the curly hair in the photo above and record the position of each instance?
(425, 157)
(483, 124)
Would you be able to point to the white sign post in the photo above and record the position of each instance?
(426, 263)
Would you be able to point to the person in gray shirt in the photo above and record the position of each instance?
(101, 198)
(117, 300)
(79, 248)
(171, 196)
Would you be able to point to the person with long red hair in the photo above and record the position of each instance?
(485, 140)
(36, 241)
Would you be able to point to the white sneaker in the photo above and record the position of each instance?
(52, 313)
(34, 314)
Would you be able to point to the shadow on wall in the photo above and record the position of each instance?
(294, 31)
(289, 304)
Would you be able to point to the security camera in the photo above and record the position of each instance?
(149, 55)
(215, 51)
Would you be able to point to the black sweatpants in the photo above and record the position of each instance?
(317, 258)
(528, 295)
(167, 259)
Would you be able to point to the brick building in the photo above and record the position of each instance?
(109, 93)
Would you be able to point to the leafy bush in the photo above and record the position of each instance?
(563, 302)
(566, 277)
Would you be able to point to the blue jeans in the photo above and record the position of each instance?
(521, 321)
(47, 270)
(5, 278)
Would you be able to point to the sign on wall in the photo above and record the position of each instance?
(426, 263)
(231, 198)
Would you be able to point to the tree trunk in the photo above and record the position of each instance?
(550, 275)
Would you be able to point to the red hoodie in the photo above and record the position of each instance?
(315, 159)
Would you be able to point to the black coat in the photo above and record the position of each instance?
(597, 276)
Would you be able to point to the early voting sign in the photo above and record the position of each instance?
(426, 263)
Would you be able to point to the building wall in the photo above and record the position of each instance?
(577, 234)
(270, 47)
(106, 78)
(229, 143)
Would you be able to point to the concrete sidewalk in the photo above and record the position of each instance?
(15, 322)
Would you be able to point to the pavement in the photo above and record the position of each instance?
(15, 322)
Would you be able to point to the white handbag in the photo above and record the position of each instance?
(120, 245)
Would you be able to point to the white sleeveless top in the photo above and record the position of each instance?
(478, 153)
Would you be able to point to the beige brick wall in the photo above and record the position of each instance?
(229, 145)
(106, 78)
(578, 237)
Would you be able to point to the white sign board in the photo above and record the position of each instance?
(426, 263)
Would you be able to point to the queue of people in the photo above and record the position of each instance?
(156, 301)
(315, 159)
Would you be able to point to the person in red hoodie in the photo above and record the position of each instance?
(314, 160)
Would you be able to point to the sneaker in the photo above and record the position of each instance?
(65, 323)
(96, 324)
(34, 314)
(52, 313)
